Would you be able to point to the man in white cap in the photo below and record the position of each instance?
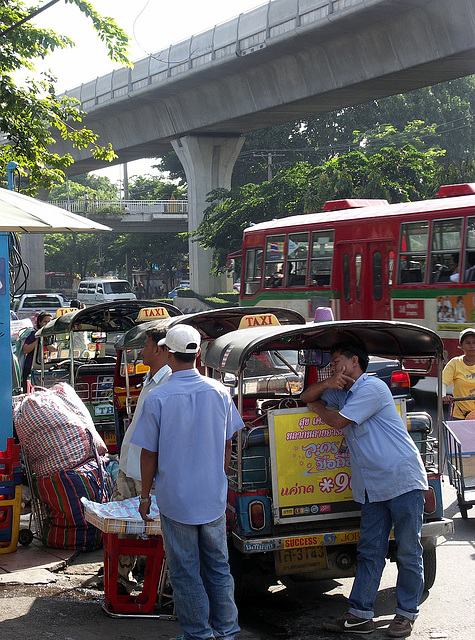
(185, 432)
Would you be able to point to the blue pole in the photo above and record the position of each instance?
(6, 417)
(11, 166)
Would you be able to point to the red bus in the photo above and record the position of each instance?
(367, 259)
(58, 280)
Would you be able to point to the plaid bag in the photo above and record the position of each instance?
(52, 426)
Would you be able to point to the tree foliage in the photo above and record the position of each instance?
(78, 185)
(440, 116)
(150, 187)
(397, 175)
(78, 253)
(33, 116)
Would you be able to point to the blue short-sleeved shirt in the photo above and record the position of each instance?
(385, 462)
(187, 421)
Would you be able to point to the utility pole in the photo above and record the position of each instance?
(126, 182)
(270, 161)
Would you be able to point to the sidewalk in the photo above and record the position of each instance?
(33, 564)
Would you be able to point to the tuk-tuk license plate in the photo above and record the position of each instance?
(103, 409)
(300, 560)
(109, 438)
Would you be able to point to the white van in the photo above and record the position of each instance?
(97, 290)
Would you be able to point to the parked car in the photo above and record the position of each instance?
(174, 292)
(31, 304)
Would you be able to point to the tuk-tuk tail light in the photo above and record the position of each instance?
(400, 380)
(430, 501)
(257, 515)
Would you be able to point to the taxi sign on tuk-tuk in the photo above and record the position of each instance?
(150, 313)
(290, 501)
(64, 310)
(259, 320)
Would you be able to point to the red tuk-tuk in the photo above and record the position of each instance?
(290, 507)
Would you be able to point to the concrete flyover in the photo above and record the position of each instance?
(285, 60)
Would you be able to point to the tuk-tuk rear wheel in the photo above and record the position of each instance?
(429, 559)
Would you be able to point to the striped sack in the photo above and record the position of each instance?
(64, 525)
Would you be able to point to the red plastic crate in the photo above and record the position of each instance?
(152, 549)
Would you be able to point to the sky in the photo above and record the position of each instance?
(152, 25)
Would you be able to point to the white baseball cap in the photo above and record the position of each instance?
(181, 339)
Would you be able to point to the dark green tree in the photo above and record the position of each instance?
(154, 188)
(394, 174)
(438, 116)
(32, 116)
(101, 185)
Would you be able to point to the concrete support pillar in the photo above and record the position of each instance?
(33, 253)
(208, 163)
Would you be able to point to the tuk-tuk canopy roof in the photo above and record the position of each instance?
(110, 317)
(211, 323)
(386, 339)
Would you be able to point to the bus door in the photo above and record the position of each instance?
(365, 270)
(382, 264)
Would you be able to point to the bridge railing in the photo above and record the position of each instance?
(240, 36)
(123, 207)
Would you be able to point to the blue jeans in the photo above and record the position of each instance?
(203, 588)
(405, 512)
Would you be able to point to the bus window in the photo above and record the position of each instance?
(445, 252)
(346, 276)
(358, 264)
(321, 258)
(253, 271)
(297, 254)
(274, 261)
(413, 252)
(390, 267)
(377, 275)
(469, 272)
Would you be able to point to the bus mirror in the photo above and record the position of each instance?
(314, 358)
(229, 380)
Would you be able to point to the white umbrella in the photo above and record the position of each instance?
(21, 213)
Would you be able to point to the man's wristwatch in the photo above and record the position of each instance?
(145, 500)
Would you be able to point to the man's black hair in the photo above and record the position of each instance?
(185, 357)
(156, 334)
(349, 349)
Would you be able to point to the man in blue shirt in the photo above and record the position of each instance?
(387, 477)
(185, 432)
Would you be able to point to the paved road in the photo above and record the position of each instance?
(70, 609)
